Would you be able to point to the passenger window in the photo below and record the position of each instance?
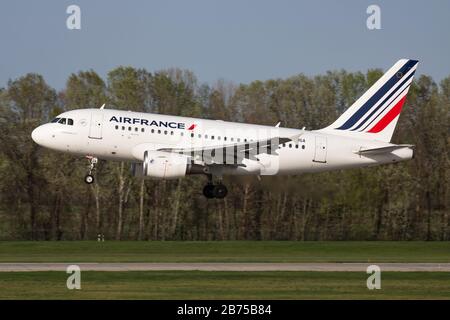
(165, 131)
(153, 131)
(224, 138)
(117, 127)
(199, 136)
(136, 129)
(159, 131)
(129, 128)
(212, 137)
(142, 129)
(70, 122)
(192, 135)
(123, 127)
(171, 133)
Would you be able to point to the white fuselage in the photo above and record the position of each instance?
(125, 135)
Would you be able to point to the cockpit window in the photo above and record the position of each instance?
(67, 121)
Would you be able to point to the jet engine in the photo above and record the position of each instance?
(161, 165)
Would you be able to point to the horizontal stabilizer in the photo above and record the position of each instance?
(383, 149)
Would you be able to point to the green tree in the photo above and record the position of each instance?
(27, 102)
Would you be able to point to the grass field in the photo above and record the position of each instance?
(224, 285)
(224, 251)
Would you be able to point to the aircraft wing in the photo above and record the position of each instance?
(232, 154)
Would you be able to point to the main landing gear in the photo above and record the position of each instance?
(211, 190)
(89, 178)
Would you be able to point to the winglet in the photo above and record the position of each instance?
(103, 106)
(277, 125)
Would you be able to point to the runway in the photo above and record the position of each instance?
(323, 267)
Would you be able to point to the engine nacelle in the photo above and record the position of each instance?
(161, 165)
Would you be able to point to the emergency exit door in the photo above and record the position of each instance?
(95, 129)
(320, 152)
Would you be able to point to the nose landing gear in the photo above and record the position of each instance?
(89, 178)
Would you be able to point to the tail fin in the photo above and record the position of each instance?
(375, 114)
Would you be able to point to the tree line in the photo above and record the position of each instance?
(43, 196)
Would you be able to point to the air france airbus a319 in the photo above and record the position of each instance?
(170, 147)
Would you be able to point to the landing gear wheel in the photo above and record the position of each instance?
(220, 191)
(211, 191)
(89, 179)
(208, 191)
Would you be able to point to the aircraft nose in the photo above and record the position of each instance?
(38, 135)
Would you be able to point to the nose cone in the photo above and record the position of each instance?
(38, 135)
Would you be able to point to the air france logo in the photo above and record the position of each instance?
(145, 122)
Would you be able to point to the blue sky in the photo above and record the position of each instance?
(235, 40)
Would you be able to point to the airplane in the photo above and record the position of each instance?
(171, 147)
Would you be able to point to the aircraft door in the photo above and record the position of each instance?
(95, 129)
(320, 152)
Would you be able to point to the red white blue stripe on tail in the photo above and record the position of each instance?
(378, 108)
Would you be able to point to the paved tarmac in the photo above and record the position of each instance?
(328, 267)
